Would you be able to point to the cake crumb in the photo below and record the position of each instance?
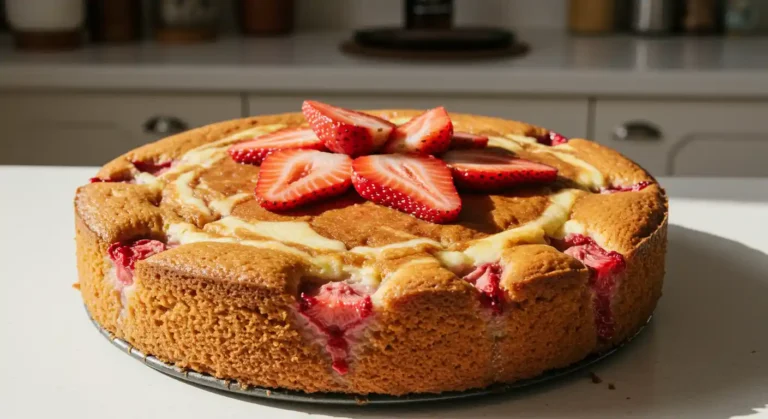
(595, 378)
(611, 386)
(76, 286)
(629, 398)
(753, 351)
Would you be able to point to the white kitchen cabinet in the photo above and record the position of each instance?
(687, 138)
(567, 116)
(91, 129)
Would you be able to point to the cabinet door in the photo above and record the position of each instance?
(567, 116)
(687, 138)
(91, 129)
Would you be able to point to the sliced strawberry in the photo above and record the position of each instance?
(428, 133)
(465, 140)
(417, 185)
(551, 138)
(125, 256)
(605, 267)
(346, 131)
(335, 309)
(290, 178)
(631, 188)
(489, 170)
(256, 150)
(151, 167)
(487, 278)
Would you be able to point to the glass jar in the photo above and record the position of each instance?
(46, 24)
(186, 21)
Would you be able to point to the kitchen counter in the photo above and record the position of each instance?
(705, 355)
(558, 64)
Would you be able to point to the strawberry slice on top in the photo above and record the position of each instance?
(346, 131)
(465, 140)
(428, 133)
(257, 149)
(486, 170)
(291, 178)
(417, 185)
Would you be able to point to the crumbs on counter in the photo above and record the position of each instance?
(595, 379)
(611, 386)
(753, 351)
(629, 398)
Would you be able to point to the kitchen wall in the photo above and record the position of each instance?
(345, 14)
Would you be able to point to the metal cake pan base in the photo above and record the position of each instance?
(341, 398)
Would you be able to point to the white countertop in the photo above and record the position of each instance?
(705, 355)
(557, 65)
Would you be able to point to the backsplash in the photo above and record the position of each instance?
(347, 14)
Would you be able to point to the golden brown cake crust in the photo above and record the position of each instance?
(224, 300)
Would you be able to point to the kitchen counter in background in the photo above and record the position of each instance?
(678, 106)
(557, 64)
(705, 354)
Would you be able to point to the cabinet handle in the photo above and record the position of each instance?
(637, 130)
(164, 125)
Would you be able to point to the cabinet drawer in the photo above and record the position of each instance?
(567, 116)
(687, 138)
(91, 129)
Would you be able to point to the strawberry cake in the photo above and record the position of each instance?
(380, 252)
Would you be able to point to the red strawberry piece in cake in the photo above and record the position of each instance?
(291, 178)
(155, 169)
(335, 309)
(126, 178)
(605, 267)
(100, 180)
(486, 170)
(487, 279)
(418, 185)
(125, 256)
(552, 138)
(346, 131)
(466, 140)
(631, 188)
(257, 149)
(428, 133)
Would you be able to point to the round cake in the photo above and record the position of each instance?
(378, 252)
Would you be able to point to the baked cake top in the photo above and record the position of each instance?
(188, 188)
